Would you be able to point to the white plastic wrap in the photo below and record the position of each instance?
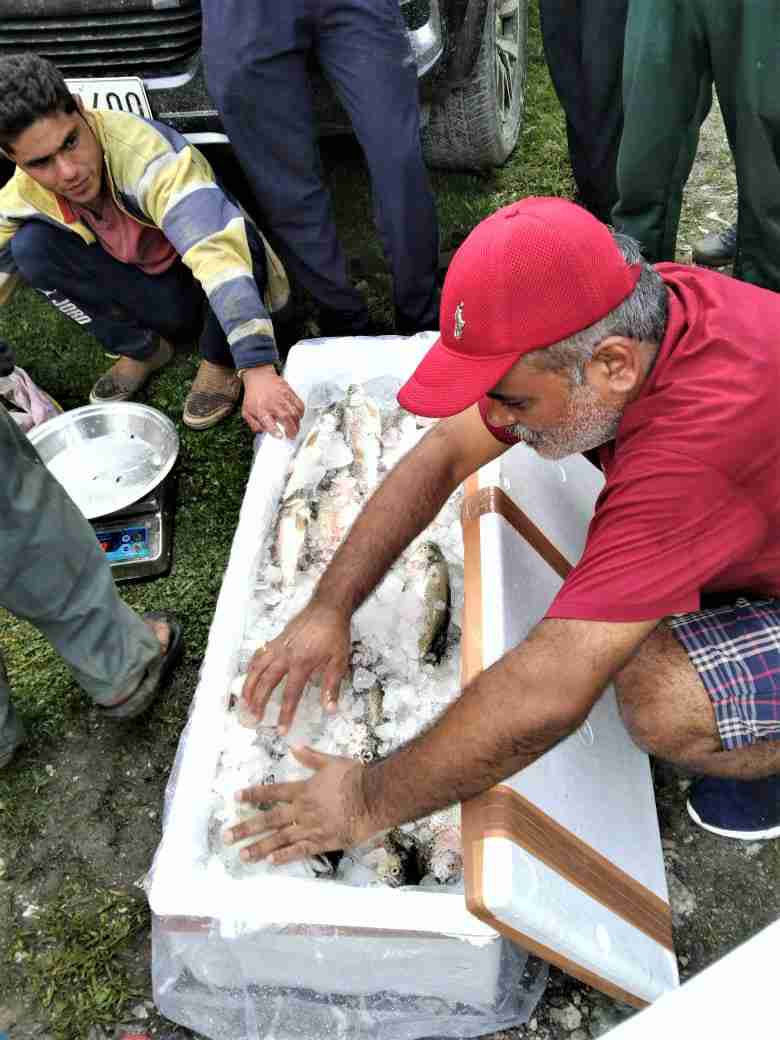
(282, 957)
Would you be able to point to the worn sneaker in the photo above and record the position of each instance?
(716, 249)
(746, 809)
(124, 379)
(213, 396)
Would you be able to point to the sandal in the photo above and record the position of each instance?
(156, 675)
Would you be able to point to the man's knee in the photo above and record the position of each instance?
(637, 701)
(33, 248)
(663, 703)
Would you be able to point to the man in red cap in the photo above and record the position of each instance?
(556, 334)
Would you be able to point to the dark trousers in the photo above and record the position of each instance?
(256, 57)
(124, 308)
(675, 52)
(583, 43)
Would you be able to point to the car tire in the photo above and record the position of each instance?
(476, 125)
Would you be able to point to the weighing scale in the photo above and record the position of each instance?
(138, 540)
(116, 463)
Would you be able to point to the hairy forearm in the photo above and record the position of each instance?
(505, 719)
(501, 723)
(402, 506)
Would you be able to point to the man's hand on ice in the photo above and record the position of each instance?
(270, 404)
(322, 814)
(315, 642)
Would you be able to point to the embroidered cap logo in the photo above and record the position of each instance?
(460, 324)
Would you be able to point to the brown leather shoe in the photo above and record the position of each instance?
(124, 379)
(214, 394)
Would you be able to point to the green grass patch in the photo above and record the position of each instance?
(71, 953)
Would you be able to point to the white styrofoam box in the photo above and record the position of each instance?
(735, 995)
(302, 933)
(597, 783)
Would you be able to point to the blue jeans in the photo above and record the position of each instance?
(54, 575)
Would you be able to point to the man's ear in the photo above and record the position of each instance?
(616, 365)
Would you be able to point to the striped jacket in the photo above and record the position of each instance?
(159, 179)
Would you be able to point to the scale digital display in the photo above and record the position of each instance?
(125, 545)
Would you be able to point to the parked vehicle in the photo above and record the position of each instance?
(144, 56)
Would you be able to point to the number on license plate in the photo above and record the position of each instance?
(124, 94)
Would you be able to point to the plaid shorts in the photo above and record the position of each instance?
(736, 651)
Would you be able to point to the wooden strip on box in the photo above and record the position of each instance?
(473, 872)
(471, 640)
(506, 814)
(478, 502)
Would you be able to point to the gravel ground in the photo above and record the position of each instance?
(712, 881)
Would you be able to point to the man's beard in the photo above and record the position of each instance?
(587, 423)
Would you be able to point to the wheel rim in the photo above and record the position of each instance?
(507, 55)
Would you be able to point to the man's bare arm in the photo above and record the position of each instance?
(504, 720)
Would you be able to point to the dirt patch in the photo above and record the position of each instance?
(85, 824)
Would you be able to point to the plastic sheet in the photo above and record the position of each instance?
(223, 1000)
(31, 405)
(283, 958)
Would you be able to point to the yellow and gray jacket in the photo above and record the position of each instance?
(159, 179)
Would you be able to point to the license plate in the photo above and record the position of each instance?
(121, 94)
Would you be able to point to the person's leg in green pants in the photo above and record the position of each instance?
(744, 40)
(54, 575)
(667, 92)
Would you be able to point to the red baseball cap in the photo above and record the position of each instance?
(527, 276)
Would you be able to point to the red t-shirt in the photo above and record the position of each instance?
(125, 238)
(691, 502)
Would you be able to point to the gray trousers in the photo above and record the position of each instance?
(54, 575)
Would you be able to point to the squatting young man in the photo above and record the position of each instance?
(556, 335)
(119, 223)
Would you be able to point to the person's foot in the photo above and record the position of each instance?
(168, 630)
(159, 624)
(213, 396)
(124, 379)
(746, 809)
(716, 249)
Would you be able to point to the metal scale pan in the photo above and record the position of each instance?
(115, 462)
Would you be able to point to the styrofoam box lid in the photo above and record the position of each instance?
(596, 784)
